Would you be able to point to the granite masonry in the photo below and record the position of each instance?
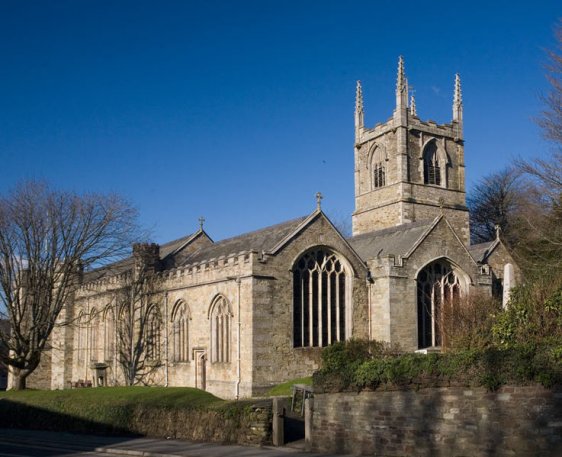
(237, 316)
(449, 421)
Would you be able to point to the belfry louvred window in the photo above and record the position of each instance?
(378, 169)
(319, 299)
(378, 175)
(432, 167)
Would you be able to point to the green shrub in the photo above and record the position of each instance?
(490, 367)
(534, 313)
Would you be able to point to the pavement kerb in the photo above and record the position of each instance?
(109, 450)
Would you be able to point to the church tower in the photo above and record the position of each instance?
(409, 170)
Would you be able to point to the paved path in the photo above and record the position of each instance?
(17, 442)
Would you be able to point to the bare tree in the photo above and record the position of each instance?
(551, 119)
(139, 318)
(47, 238)
(543, 244)
(496, 200)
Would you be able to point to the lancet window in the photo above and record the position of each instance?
(220, 316)
(180, 332)
(82, 341)
(379, 175)
(431, 164)
(108, 333)
(439, 289)
(378, 167)
(153, 334)
(320, 282)
(94, 335)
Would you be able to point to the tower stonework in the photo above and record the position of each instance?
(409, 170)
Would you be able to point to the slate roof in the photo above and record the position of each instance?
(260, 240)
(480, 251)
(127, 263)
(394, 240)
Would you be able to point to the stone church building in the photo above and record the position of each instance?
(239, 315)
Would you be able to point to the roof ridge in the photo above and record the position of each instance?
(396, 228)
(252, 232)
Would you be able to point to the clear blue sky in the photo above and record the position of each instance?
(242, 110)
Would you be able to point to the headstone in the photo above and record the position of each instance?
(508, 283)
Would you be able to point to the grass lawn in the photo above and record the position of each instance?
(285, 389)
(162, 397)
(153, 411)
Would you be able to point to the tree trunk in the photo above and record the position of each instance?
(18, 380)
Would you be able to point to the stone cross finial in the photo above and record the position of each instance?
(498, 230)
(319, 198)
(201, 222)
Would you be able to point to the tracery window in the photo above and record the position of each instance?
(438, 290)
(431, 165)
(319, 299)
(221, 317)
(108, 333)
(153, 334)
(180, 332)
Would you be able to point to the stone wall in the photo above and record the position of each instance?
(275, 359)
(454, 421)
(41, 376)
(247, 423)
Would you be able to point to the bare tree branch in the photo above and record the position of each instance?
(47, 238)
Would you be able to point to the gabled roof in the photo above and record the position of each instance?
(172, 247)
(481, 251)
(126, 264)
(260, 240)
(397, 241)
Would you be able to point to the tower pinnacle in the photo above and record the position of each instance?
(413, 106)
(457, 106)
(359, 116)
(457, 100)
(401, 86)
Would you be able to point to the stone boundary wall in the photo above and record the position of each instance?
(249, 424)
(452, 421)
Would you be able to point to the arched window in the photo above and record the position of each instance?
(108, 333)
(439, 289)
(81, 337)
(378, 167)
(153, 334)
(431, 165)
(220, 316)
(320, 281)
(379, 175)
(180, 335)
(94, 333)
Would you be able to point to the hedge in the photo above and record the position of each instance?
(358, 365)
